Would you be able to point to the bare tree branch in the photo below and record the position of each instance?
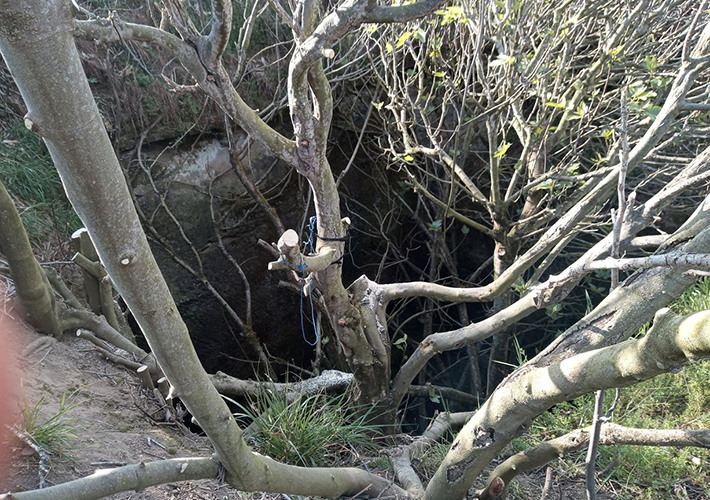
(672, 342)
(610, 434)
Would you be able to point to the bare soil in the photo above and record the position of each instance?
(115, 422)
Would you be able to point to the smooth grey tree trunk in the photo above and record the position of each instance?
(37, 44)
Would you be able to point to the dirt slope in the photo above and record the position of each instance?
(110, 417)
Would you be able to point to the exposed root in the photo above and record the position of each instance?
(40, 343)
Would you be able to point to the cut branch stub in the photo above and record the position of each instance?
(292, 258)
(288, 244)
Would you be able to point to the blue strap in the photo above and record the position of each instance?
(308, 244)
(302, 268)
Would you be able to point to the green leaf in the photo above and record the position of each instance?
(451, 14)
(435, 225)
(551, 104)
(615, 51)
(502, 149)
(401, 343)
(573, 169)
(408, 158)
(652, 110)
(651, 63)
(465, 229)
(403, 38)
(660, 82)
(554, 311)
(389, 47)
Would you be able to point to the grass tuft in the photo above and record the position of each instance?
(55, 434)
(317, 430)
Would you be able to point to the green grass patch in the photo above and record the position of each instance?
(317, 430)
(55, 433)
(27, 171)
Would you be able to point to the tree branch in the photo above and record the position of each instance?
(105, 482)
(216, 42)
(115, 30)
(665, 119)
(218, 86)
(329, 380)
(672, 342)
(402, 13)
(292, 258)
(610, 434)
(401, 456)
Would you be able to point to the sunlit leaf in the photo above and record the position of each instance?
(651, 63)
(502, 149)
(403, 38)
(501, 60)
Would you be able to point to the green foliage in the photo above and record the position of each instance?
(28, 173)
(54, 435)
(669, 401)
(696, 298)
(429, 462)
(316, 430)
(452, 14)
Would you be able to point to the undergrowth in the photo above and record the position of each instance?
(669, 401)
(54, 434)
(317, 430)
(27, 171)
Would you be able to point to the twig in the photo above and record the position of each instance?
(38, 344)
(590, 479)
(548, 484)
(43, 455)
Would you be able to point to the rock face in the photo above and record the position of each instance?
(175, 187)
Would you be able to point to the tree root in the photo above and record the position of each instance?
(40, 343)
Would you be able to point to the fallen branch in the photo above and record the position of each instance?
(448, 393)
(401, 456)
(105, 482)
(329, 380)
(36, 345)
(43, 455)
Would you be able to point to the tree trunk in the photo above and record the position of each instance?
(498, 367)
(47, 69)
(34, 292)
